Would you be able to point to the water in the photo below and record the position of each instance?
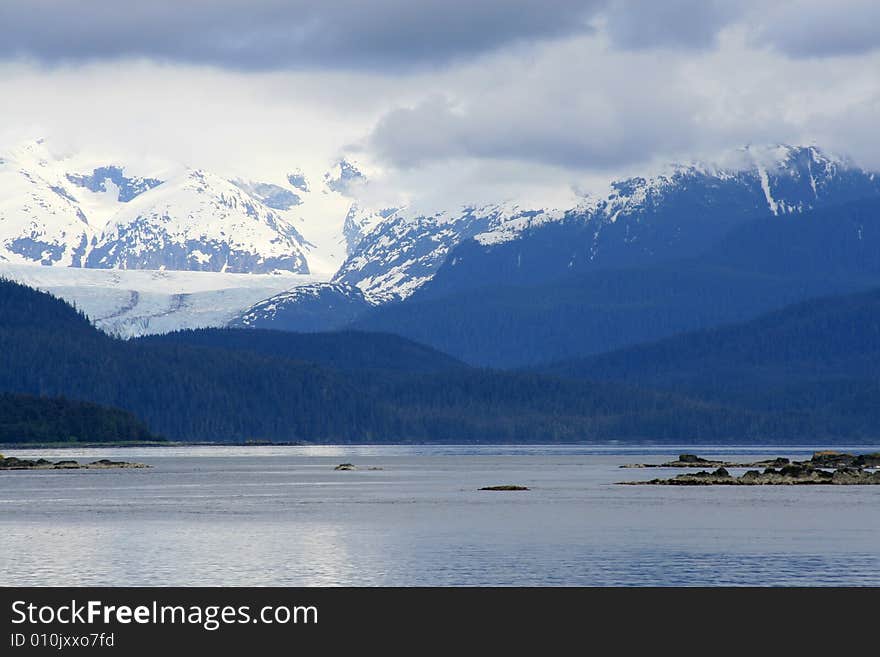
(271, 516)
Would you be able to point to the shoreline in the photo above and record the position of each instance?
(616, 445)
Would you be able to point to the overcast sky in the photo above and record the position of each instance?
(439, 97)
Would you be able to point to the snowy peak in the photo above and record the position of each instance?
(40, 218)
(789, 179)
(359, 221)
(199, 222)
(84, 212)
(81, 211)
(396, 254)
(793, 179)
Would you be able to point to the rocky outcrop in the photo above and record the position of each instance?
(802, 473)
(13, 463)
(345, 466)
(832, 459)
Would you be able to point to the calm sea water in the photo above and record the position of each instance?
(270, 516)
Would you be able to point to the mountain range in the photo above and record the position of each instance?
(500, 285)
(55, 213)
(467, 263)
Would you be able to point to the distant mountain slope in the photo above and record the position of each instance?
(816, 364)
(827, 338)
(760, 265)
(345, 351)
(315, 307)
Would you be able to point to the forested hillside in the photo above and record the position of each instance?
(818, 360)
(224, 386)
(25, 418)
(343, 350)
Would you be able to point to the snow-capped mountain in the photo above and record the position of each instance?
(199, 222)
(82, 212)
(41, 220)
(673, 214)
(395, 254)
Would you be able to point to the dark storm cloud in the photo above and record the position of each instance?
(394, 35)
(275, 34)
(796, 28)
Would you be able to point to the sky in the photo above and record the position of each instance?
(441, 99)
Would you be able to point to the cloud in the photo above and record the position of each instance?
(812, 28)
(402, 36)
(639, 25)
(574, 105)
(581, 107)
(238, 124)
(796, 28)
(442, 99)
(586, 132)
(282, 34)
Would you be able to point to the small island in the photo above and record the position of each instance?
(825, 467)
(13, 463)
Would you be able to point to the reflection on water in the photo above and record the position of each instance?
(282, 516)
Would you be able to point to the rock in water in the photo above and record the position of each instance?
(13, 463)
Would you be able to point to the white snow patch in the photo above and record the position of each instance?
(765, 185)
